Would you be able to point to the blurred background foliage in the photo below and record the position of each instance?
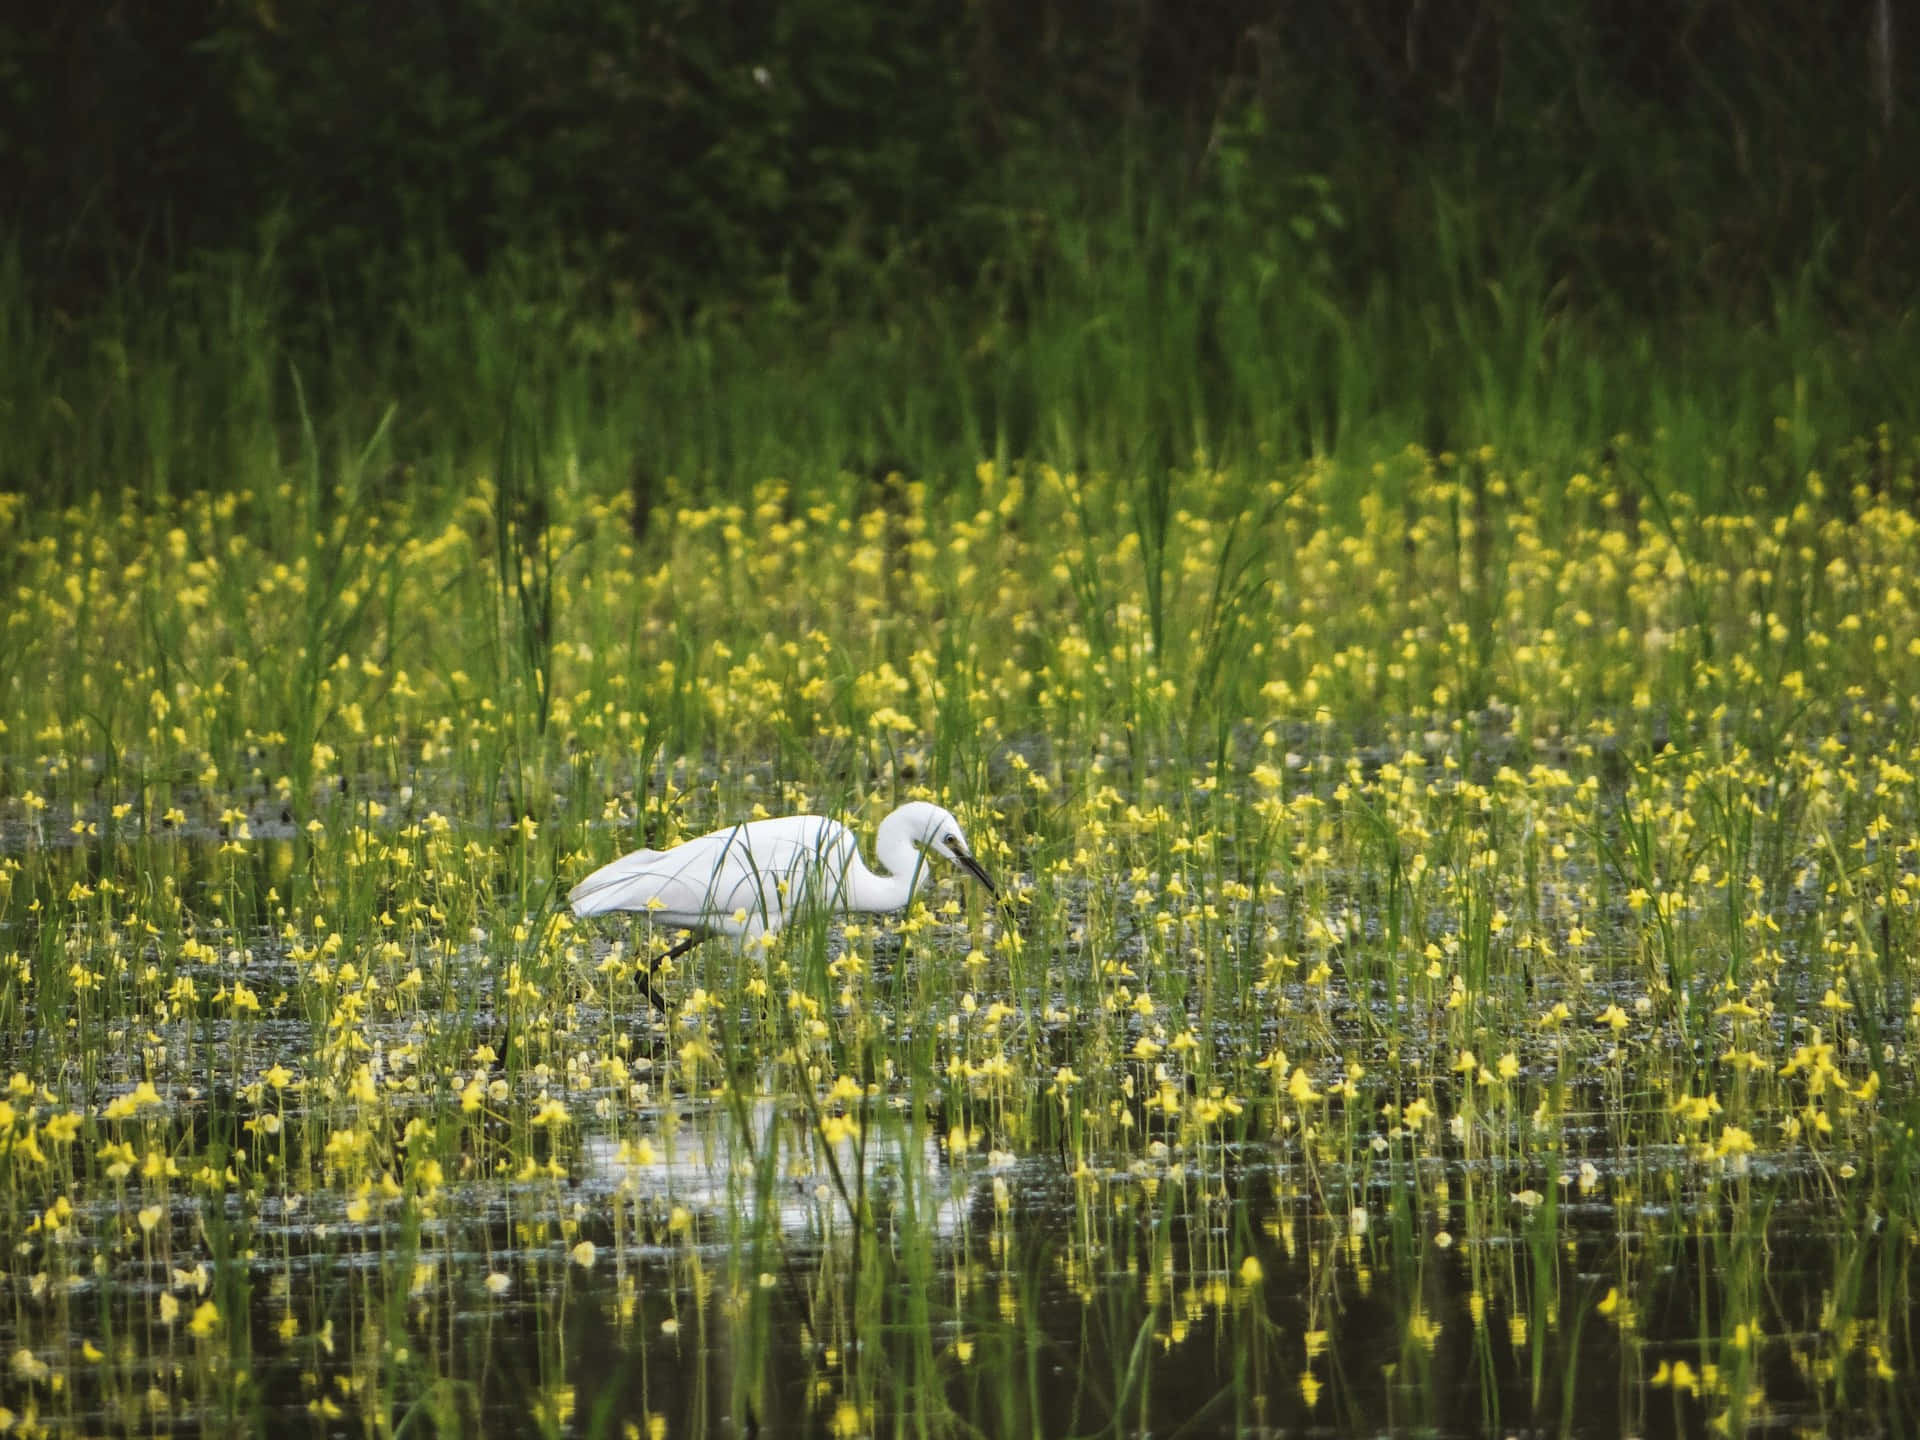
(830, 174)
(700, 151)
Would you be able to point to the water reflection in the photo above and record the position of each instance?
(715, 1280)
(703, 1259)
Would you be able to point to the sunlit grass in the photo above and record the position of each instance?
(1456, 967)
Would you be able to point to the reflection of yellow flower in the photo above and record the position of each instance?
(30, 1367)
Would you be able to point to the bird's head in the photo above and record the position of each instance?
(934, 830)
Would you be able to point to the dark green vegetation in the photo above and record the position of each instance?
(714, 247)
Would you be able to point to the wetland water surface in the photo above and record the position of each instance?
(394, 1183)
(1454, 969)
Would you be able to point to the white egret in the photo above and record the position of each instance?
(748, 880)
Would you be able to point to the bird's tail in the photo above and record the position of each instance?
(606, 889)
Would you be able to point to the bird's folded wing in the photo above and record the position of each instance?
(692, 885)
(618, 885)
(758, 868)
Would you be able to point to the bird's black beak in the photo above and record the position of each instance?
(972, 866)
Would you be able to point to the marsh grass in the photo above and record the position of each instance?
(1455, 966)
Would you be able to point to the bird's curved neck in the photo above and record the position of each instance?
(904, 866)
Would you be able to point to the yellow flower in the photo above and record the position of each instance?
(1733, 1141)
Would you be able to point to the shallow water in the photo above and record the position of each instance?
(740, 1257)
(1002, 1290)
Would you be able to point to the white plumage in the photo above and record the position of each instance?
(748, 880)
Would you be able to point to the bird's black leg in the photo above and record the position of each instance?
(647, 968)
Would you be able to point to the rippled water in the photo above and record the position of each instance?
(697, 1265)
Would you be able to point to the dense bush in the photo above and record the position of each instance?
(711, 151)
